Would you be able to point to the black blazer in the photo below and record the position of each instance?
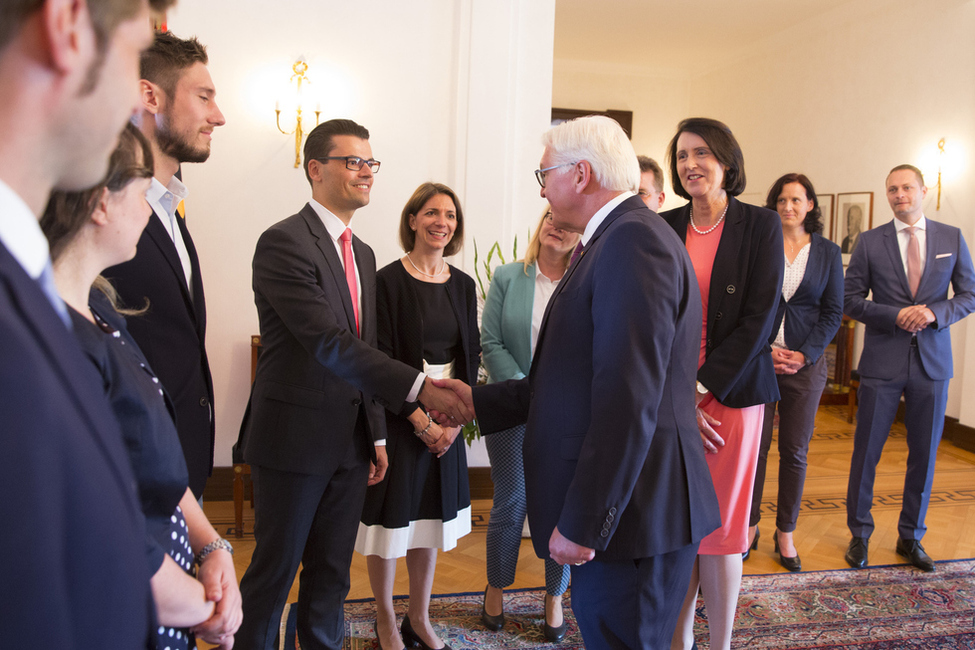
(746, 283)
(172, 336)
(314, 374)
(73, 540)
(815, 310)
(612, 452)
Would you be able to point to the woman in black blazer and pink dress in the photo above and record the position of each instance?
(734, 249)
(808, 316)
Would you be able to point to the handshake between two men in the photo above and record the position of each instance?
(450, 405)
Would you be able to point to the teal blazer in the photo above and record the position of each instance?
(506, 323)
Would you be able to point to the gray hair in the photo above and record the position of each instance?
(601, 142)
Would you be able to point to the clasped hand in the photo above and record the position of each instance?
(914, 318)
(787, 362)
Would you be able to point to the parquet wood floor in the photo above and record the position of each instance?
(821, 536)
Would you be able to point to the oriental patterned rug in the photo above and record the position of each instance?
(880, 608)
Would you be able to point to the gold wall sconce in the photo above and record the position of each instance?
(299, 68)
(941, 155)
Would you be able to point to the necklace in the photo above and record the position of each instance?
(716, 223)
(443, 265)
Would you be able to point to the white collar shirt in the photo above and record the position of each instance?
(164, 200)
(601, 215)
(21, 233)
(544, 288)
(904, 237)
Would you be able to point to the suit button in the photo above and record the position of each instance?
(730, 289)
(356, 402)
(612, 511)
(203, 401)
(604, 533)
(610, 518)
(718, 316)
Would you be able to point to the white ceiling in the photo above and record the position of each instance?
(674, 37)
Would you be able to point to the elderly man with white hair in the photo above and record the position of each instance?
(616, 479)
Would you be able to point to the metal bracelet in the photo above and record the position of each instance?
(420, 434)
(217, 544)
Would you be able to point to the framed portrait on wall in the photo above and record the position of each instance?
(854, 214)
(826, 209)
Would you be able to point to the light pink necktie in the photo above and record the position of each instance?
(346, 239)
(913, 260)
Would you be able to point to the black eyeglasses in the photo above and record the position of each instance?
(354, 163)
(540, 173)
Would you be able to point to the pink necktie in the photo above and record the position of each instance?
(913, 260)
(346, 239)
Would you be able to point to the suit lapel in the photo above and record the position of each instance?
(161, 239)
(815, 262)
(726, 257)
(894, 253)
(198, 303)
(77, 375)
(332, 261)
(615, 214)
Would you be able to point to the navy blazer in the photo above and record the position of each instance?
(746, 282)
(876, 265)
(172, 336)
(74, 574)
(612, 452)
(314, 373)
(815, 310)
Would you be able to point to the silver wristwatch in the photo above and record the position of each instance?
(215, 545)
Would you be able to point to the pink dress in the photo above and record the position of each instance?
(733, 467)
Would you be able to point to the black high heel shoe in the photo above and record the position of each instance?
(493, 623)
(790, 563)
(411, 639)
(748, 552)
(554, 634)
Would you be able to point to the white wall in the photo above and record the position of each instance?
(843, 99)
(455, 91)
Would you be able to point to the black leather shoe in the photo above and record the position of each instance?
(493, 623)
(412, 640)
(555, 634)
(914, 552)
(748, 551)
(791, 563)
(856, 554)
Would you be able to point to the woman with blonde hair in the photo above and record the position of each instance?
(512, 316)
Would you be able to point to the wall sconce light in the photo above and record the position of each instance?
(299, 68)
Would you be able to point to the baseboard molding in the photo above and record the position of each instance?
(959, 434)
(220, 486)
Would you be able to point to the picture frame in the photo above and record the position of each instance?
(854, 212)
(625, 118)
(826, 204)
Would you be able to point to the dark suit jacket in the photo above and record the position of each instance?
(746, 283)
(815, 310)
(314, 373)
(612, 452)
(876, 265)
(73, 537)
(172, 335)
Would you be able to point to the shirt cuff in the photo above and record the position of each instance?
(380, 443)
(417, 387)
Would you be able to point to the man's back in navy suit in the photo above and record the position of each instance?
(906, 352)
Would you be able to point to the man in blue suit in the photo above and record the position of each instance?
(909, 264)
(73, 574)
(616, 480)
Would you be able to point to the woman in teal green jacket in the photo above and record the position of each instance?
(512, 315)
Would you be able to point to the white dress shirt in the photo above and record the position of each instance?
(903, 237)
(794, 272)
(21, 233)
(164, 201)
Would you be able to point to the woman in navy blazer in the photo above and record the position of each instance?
(512, 315)
(734, 249)
(808, 316)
